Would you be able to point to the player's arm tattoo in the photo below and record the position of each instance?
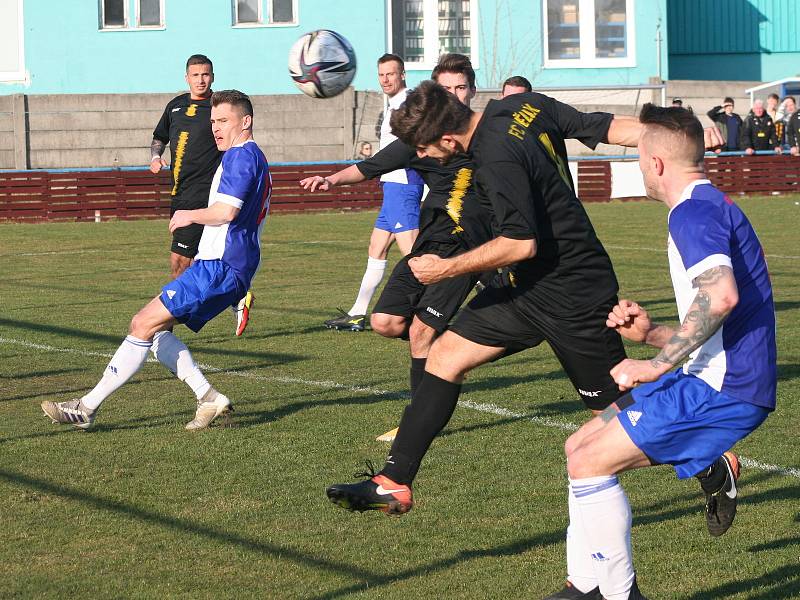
(156, 148)
(700, 323)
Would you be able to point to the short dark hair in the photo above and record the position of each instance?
(677, 120)
(388, 57)
(455, 63)
(517, 81)
(728, 100)
(785, 98)
(235, 98)
(774, 96)
(428, 113)
(199, 59)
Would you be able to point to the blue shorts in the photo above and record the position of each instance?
(201, 292)
(400, 208)
(682, 421)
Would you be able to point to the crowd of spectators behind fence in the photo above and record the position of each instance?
(772, 126)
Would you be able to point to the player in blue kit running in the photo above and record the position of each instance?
(227, 259)
(684, 417)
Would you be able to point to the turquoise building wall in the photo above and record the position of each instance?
(744, 40)
(66, 53)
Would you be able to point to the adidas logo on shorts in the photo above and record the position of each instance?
(634, 416)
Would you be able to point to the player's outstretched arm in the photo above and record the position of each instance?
(717, 295)
(499, 252)
(346, 176)
(218, 213)
(625, 131)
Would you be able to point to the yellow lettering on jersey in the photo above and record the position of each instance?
(180, 150)
(455, 203)
(522, 120)
(517, 131)
(192, 110)
(562, 168)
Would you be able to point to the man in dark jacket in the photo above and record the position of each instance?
(729, 123)
(758, 132)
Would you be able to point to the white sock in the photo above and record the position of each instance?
(606, 516)
(173, 354)
(369, 283)
(580, 569)
(128, 359)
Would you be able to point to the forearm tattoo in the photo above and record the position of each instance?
(156, 148)
(698, 326)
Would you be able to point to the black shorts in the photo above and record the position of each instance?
(503, 317)
(186, 239)
(435, 304)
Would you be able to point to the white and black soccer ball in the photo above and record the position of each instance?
(322, 63)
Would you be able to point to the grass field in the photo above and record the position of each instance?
(139, 508)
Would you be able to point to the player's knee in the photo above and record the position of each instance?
(387, 325)
(572, 444)
(580, 464)
(421, 338)
(138, 327)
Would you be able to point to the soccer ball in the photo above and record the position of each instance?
(322, 63)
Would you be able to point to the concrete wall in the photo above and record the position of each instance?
(115, 130)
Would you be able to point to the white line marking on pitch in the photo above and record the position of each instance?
(492, 409)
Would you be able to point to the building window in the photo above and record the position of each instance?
(589, 33)
(422, 30)
(264, 12)
(114, 14)
(12, 56)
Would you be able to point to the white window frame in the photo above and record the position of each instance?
(127, 18)
(160, 16)
(588, 60)
(430, 15)
(19, 74)
(268, 22)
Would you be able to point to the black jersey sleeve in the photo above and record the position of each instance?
(396, 155)
(589, 128)
(161, 132)
(508, 188)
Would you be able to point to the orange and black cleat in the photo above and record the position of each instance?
(376, 493)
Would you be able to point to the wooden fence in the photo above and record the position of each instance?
(125, 194)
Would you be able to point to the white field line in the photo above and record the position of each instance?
(477, 406)
(105, 250)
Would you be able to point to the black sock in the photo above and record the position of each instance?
(714, 478)
(429, 411)
(416, 373)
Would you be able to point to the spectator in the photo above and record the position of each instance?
(791, 118)
(772, 107)
(364, 151)
(678, 103)
(516, 84)
(729, 123)
(787, 108)
(758, 131)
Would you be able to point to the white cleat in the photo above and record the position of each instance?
(71, 412)
(209, 407)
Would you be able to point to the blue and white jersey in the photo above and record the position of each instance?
(241, 180)
(706, 230)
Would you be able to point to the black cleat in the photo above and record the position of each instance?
(721, 505)
(570, 592)
(346, 322)
(376, 493)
